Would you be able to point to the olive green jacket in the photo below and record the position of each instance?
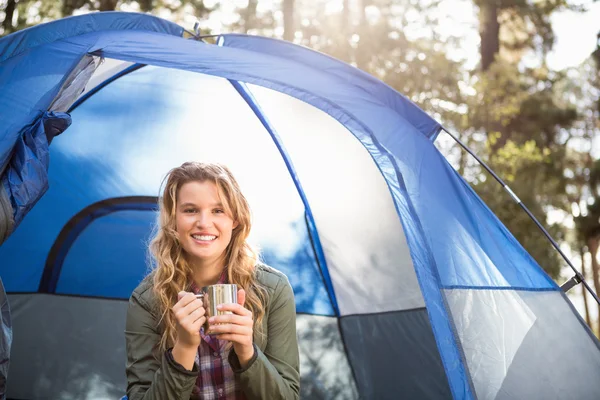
(273, 372)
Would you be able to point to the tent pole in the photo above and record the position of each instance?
(578, 277)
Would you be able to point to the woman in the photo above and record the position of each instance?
(252, 353)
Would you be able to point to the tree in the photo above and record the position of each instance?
(588, 225)
(519, 118)
(509, 27)
(9, 13)
(15, 16)
(288, 20)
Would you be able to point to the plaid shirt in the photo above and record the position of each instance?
(216, 380)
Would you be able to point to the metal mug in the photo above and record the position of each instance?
(214, 295)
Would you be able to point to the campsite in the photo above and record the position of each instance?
(406, 275)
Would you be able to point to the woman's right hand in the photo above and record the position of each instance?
(189, 317)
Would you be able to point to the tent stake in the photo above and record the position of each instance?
(578, 278)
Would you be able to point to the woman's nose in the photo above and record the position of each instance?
(203, 219)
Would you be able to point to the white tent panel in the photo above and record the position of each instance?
(362, 237)
(524, 345)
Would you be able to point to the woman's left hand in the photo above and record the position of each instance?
(236, 327)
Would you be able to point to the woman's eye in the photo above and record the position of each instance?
(189, 210)
(219, 211)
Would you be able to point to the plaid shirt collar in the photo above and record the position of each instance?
(222, 279)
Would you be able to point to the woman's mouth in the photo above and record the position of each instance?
(204, 238)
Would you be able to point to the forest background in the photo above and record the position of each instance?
(489, 70)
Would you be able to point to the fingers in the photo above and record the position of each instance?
(191, 322)
(197, 314)
(235, 308)
(240, 330)
(192, 306)
(240, 326)
(183, 299)
(231, 319)
(189, 310)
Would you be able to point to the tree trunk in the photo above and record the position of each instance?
(108, 5)
(596, 56)
(363, 13)
(288, 20)
(584, 290)
(9, 13)
(67, 8)
(489, 32)
(250, 15)
(146, 5)
(346, 52)
(362, 61)
(346, 17)
(593, 248)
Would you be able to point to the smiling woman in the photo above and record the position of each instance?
(204, 222)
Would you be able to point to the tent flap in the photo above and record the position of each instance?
(6, 215)
(26, 178)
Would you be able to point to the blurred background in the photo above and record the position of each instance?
(516, 80)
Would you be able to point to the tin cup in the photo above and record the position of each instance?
(214, 295)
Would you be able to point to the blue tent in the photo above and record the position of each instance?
(406, 284)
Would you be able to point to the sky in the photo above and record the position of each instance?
(575, 36)
(575, 32)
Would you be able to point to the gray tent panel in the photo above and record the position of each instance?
(525, 345)
(324, 368)
(69, 347)
(74, 348)
(394, 355)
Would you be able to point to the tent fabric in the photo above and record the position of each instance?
(121, 218)
(26, 179)
(543, 331)
(400, 356)
(6, 215)
(405, 242)
(75, 83)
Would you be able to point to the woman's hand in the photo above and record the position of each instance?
(236, 327)
(189, 317)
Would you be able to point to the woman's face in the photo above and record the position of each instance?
(203, 227)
